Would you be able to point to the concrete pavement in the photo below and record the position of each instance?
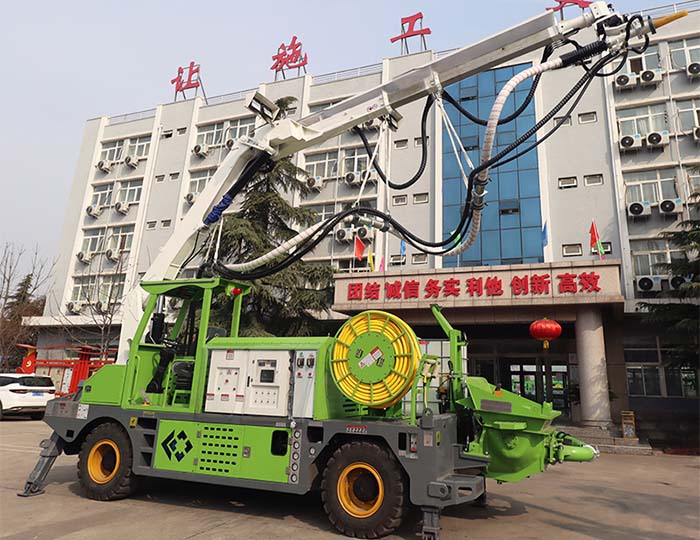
(614, 498)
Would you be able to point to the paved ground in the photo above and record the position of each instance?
(614, 498)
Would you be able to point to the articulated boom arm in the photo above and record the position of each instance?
(281, 138)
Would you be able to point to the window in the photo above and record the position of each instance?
(112, 151)
(240, 127)
(324, 165)
(111, 289)
(648, 255)
(689, 114)
(650, 59)
(210, 134)
(83, 287)
(684, 52)
(642, 120)
(400, 200)
(565, 120)
(130, 192)
(120, 238)
(174, 175)
(167, 134)
(694, 181)
(101, 195)
(165, 223)
(652, 186)
(593, 180)
(323, 211)
(681, 382)
(397, 260)
(643, 381)
(419, 258)
(571, 250)
(568, 182)
(400, 144)
(607, 248)
(150, 225)
(181, 131)
(93, 240)
(418, 141)
(587, 117)
(355, 160)
(139, 147)
(420, 198)
(200, 179)
(316, 107)
(160, 177)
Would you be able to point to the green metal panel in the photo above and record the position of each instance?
(176, 446)
(260, 464)
(104, 387)
(219, 449)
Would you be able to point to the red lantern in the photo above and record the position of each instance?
(545, 330)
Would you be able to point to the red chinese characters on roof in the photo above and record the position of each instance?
(289, 57)
(583, 4)
(186, 81)
(408, 30)
(482, 286)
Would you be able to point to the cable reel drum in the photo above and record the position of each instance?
(375, 359)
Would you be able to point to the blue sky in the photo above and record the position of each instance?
(66, 62)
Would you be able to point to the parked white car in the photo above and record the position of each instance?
(25, 394)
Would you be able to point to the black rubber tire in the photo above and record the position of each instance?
(389, 515)
(123, 483)
(37, 416)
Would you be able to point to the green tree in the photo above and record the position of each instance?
(678, 314)
(288, 302)
(20, 303)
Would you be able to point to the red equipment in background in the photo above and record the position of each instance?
(68, 371)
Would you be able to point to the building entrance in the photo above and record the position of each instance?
(539, 379)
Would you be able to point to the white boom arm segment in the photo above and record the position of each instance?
(285, 137)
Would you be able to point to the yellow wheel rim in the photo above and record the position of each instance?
(360, 490)
(103, 461)
(396, 345)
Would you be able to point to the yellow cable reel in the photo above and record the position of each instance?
(375, 359)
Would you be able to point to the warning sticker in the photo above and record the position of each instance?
(373, 356)
(82, 411)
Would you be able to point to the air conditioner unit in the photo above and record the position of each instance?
(353, 179)
(201, 150)
(84, 257)
(101, 307)
(650, 77)
(75, 307)
(190, 198)
(625, 81)
(696, 134)
(94, 211)
(657, 139)
(639, 208)
(630, 142)
(344, 235)
(693, 70)
(229, 143)
(131, 161)
(363, 233)
(372, 177)
(122, 207)
(315, 183)
(113, 255)
(649, 283)
(671, 206)
(676, 281)
(104, 165)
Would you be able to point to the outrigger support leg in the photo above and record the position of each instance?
(431, 523)
(50, 449)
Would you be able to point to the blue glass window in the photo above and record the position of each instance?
(532, 242)
(529, 183)
(530, 212)
(511, 246)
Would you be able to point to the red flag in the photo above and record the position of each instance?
(595, 241)
(359, 248)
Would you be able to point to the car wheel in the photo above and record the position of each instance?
(364, 490)
(104, 464)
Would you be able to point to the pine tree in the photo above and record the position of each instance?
(285, 303)
(678, 316)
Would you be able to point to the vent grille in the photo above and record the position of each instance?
(350, 408)
(219, 449)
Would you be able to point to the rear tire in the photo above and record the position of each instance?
(104, 464)
(364, 491)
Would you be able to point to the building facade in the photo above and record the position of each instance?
(627, 157)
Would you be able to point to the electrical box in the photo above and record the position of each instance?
(226, 384)
(304, 372)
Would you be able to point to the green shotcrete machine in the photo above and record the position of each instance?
(347, 415)
(343, 414)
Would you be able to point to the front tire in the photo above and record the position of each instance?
(364, 490)
(104, 464)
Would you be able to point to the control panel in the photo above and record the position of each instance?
(226, 384)
(268, 383)
(304, 372)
